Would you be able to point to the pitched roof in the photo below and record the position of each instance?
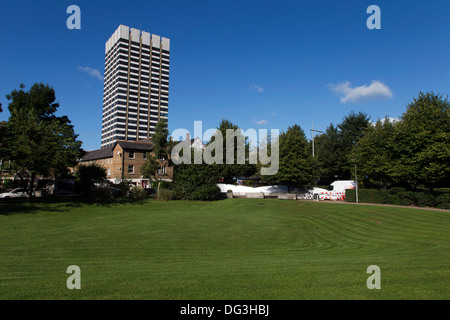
(132, 145)
(141, 145)
(98, 154)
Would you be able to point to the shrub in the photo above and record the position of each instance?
(206, 193)
(425, 199)
(188, 179)
(102, 194)
(165, 195)
(124, 186)
(164, 184)
(365, 196)
(443, 201)
(87, 174)
(7, 184)
(137, 193)
(399, 197)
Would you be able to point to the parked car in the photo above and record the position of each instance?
(15, 193)
(115, 191)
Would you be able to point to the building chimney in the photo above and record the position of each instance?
(188, 136)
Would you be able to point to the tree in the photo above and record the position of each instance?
(330, 155)
(160, 151)
(351, 129)
(150, 167)
(228, 170)
(159, 139)
(423, 142)
(333, 148)
(36, 139)
(374, 153)
(296, 161)
(3, 127)
(86, 175)
(195, 181)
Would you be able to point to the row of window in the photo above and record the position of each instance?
(122, 69)
(113, 97)
(143, 113)
(144, 108)
(142, 91)
(123, 43)
(131, 170)
(123, 66)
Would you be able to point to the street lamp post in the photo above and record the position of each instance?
(312, 138)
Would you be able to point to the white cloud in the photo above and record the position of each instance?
(260, 122)
(376, 90)
(256, 88)
(94, 73)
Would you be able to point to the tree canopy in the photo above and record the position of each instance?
(37, 140)
(413, 151)
(297, 166)
(333, 148)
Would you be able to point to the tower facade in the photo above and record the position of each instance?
(136, 85)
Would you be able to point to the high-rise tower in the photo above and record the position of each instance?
(136, 85)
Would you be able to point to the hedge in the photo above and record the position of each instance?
(400, 197)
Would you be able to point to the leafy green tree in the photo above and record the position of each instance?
(423, 142)
(160, 152)
(329, 155)
(333, 148)
(159, 138)
(3, 127)
(351, 129)
(374, 153)
(195, 181)
(296, 161)
(150, 167)
(228, 170)
(124, 186)
(87, 175)
(36, 139)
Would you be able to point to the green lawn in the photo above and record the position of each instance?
(229, 249)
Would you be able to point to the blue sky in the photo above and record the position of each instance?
(259, 64)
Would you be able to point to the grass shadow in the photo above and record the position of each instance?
(58, 204)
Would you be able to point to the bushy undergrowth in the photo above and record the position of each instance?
(165, 195)
(137, 193)
(400, 197)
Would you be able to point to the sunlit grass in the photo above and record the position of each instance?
(230, 249)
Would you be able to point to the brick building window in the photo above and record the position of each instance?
(162, 170)
(130, 169)
(131, 155)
